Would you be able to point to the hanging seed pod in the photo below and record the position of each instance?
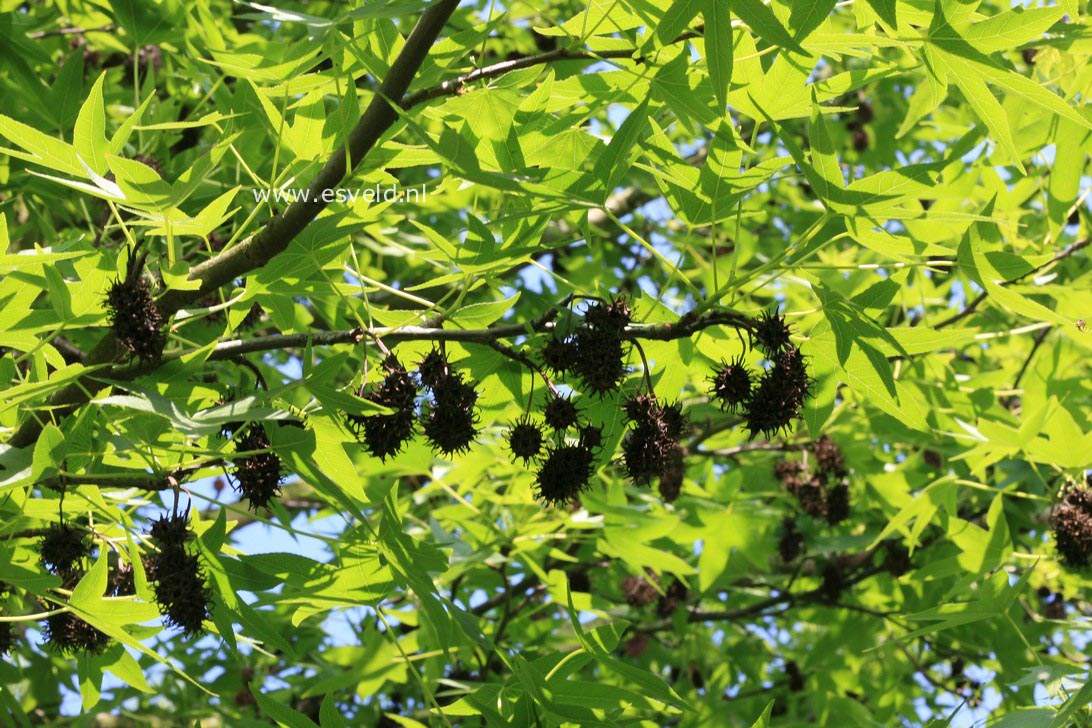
(452, 418)
(525, 439)
(257, 477)
(560, 413)
(67, 633)
(1071, 521)
(565, 473)
(136, 322)
(731, 386)
(63, 547)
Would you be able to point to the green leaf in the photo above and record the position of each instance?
(886, 10)
(765, 24)
(280, 712)
(718, 47)
(807, 15)
(89, 136)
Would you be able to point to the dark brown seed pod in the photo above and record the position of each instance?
(63, 547)
(136, 322)
(731, 386)
(837, 505)
(525, 439)
(7, 638)
(181, 590)
(860, 139)
(828, 457)
(385, 435)
(674, 596)
(257, 477)
(565, 473)
(591, 437)
(896, 558)
(610, 318)
(791, 544)
(640, 590)
(68, 634)
(600, 360)
(432, 368)
(865, 112)
(796, 678)
(1071, 521)
(451, 419)
(559, 355)
(771, 333)
(171, 531)
(780, 394)
(560, 413)
(671, 480)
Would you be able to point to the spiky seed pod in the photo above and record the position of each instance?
(646, 452)
(122, 580)
(675, 594)
(671, 480)
(641, 409)
(181, 590)
(796, 678)
(675, 422)
(560, 413)
(612, 317)
(600, 360)
(452, 418)
(591, 436)
(136, 322)
(7, 638)
(732, 385)
(812, 496)
(860, 139)
(67, 633)
(780, 394)
(834, 581)
(559, 355)
(896, 558)
(432, 368)
(791, 543)
(565, 473)
(785, 469)
(865, 112)
(257, 477)
(525, 439)
(171, 531)
(771, 333)
(641, 590)
(1071, 521)
(386, 435)
(63, 547)
(828, 456)
(837, 505)
(636, 645)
